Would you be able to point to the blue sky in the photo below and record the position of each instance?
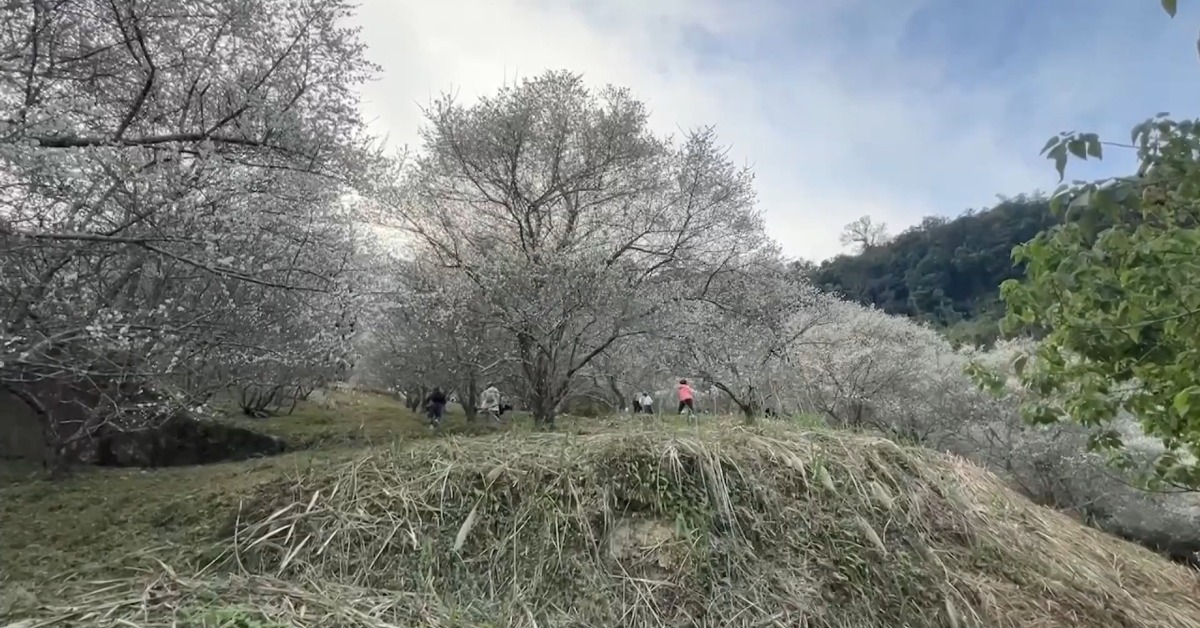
(894, 108)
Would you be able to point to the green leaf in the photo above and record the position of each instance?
(1077, 148)
(1050, 143)
(1169, 7)
(1107, 287)
(1122, 192)
(1183, 399)
(1059, 155)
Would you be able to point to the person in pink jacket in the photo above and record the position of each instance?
(685, 397)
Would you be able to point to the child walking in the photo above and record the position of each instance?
(685, 397)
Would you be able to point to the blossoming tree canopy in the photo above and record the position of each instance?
(170, 209)
(574, 224)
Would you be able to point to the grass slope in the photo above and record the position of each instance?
(353, 419)
(93, 519)
(636, 524)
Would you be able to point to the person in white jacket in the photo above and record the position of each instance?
(647, 403)
(489, 401)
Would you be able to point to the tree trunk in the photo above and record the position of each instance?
(543, 404)
(618, 394)
(470, 400)
(747, 403)
(858, 411)
(545, 399)
(751, 407)
(543, 395)
(749, 413)
(414, 398)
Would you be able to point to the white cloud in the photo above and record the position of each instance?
(831, 137)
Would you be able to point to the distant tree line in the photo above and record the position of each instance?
(943, 271)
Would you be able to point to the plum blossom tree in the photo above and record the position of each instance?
(739, 341)
(630, 366)
(574, 224)
(427, 330)
(874, 371)
(170, 199)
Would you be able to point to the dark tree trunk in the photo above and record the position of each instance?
(543, 411)
(414, 398)
(749, 412)
(750, 407)
(260, 402)
(543, 394)
(746, 403)
(545, 399)
(618, 394)
(470, 400)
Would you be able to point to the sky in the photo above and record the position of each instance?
(897, 109)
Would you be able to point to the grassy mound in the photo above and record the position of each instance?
(714, 527)
(96, 517)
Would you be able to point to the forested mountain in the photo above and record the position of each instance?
(944, 271)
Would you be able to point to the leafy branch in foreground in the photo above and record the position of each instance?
(1121, 302)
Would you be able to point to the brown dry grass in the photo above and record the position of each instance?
(715, 526)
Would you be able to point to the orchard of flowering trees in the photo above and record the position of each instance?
(553, 243)
(556, 246)
(185, 197)
(172, 214)
(190, 207)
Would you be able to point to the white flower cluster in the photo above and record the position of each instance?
(181, 230)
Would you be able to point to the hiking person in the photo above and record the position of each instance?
(435, 406)
(685, 397)
(637, 403)
(489, 401)
(647, 403)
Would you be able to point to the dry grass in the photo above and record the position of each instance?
(717, 526)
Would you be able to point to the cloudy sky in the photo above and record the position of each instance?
(895, 108)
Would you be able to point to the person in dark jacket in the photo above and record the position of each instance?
(435, 406)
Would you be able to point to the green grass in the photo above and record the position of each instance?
(354, 419)
(97, 520)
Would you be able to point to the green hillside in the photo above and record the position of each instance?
(944, 271)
